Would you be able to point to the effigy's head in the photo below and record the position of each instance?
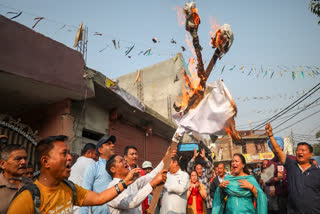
(223, 38)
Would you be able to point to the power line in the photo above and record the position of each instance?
(298, 121)
(296, 113)
(293, 110)
(289, 107)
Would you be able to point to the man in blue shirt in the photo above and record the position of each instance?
(96, 177)
(303, 178)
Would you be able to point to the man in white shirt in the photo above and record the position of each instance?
(174, 198)
(88, 156)
(129, 201)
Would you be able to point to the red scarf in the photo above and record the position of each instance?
(199, 201)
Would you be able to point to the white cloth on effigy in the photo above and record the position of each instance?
(211, 114)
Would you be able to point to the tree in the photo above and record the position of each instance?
(318, 134)
(316, 149)
(314, 6)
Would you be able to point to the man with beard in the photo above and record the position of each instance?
(13, 163)
(303, 177)
(54, 159)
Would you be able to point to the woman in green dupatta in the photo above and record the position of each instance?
(237, 193)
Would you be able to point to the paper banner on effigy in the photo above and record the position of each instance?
(211, 114)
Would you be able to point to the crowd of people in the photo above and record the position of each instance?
(101, 181)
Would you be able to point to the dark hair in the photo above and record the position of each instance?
(87, 147)
(129, 147)
(243, 160)
(195, 172)
(222, 164)
(30, 165)
(44, 146)
(6, 151)
(177, 158)
(306, 144)
(109, 164)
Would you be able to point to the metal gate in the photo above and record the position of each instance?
(19, 134)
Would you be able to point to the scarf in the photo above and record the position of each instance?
(233, 189)
(199, 201)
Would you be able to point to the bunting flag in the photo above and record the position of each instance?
(38, 20)
(309, 74)
(129, 49)
(104, 48)
(271, 75)
(232, 68)
(274, 70)
(60, 29)
(223, 69)
(16, 14)
(78, 35)
(147, 52)
(109, 82)
(114, 43)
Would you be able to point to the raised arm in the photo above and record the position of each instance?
(131, 199)
(208, 164)
(276, 148)
(192, 162)
(94, 198)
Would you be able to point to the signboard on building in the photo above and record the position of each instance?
(258, 157)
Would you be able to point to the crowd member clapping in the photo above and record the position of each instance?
(239, 190)
(196, 195)
(204, 173)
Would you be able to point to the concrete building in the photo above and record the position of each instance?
(157, 86)
(47, 90)
(253, 146)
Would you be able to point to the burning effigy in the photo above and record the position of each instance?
(202, 109)
(206, 109)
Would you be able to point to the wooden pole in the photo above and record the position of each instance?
(157, 191)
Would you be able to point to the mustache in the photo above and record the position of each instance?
(22, 167)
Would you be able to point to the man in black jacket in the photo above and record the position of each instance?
(219, 178)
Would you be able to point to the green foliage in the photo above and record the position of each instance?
(314, 6)
(316, 149)
(318, 134)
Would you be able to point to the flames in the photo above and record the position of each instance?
(189, 44)
(195, 80)
(195, 16)
(181, 19)
(218, 40)
(213, 27)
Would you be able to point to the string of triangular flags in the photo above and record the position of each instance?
(259, 71)
(269, 71)
(128, 51)
(283, 96)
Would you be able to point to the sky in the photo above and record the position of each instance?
(270, 35)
